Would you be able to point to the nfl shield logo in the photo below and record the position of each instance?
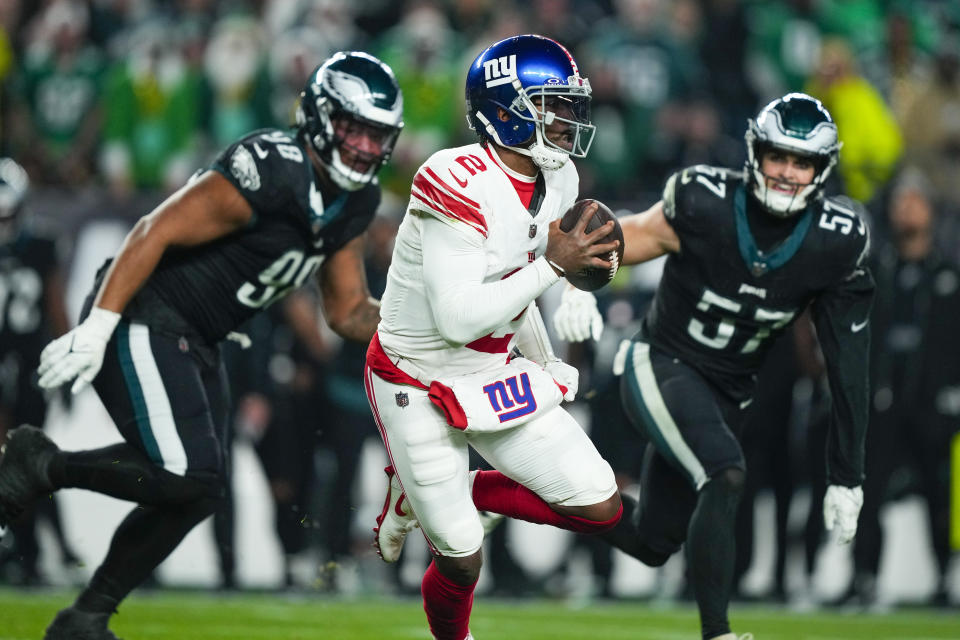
(402, 399)
(533, 231)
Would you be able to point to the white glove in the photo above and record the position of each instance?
(79, 352)
(577, 318)
(841, 508)
(566, 375)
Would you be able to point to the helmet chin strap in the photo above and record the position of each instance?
(542, 156)
(779, 204)
(345, 177)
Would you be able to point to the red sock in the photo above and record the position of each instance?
(447, 604)
(493, 491)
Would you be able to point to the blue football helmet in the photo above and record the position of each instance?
(799, 124)
(535, 80)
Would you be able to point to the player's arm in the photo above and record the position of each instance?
(348, 307)
(56, 306)
(534, 343)
(841, 315)
(200, 212)
(648, 235)
(464, 306)
(532, 338)
(301, 313)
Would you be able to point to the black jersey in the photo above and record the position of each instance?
(297, 222)
(722, 301)
(25, 265)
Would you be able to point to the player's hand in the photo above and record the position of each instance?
(576, 250)
(577, 318)
(79, 352)
(841, 508)
(566, 375)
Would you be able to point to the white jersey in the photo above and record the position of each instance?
(467, 263)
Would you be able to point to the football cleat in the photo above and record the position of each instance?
(395, 521)
(73, 624)
(23, 470)
(733, 636)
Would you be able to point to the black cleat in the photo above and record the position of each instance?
(23, 470)
(73, 624)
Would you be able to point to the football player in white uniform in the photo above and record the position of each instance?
(479, 242)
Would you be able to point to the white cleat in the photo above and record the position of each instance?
(395, 521)
(733, 636)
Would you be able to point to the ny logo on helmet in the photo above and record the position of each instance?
(498, 71)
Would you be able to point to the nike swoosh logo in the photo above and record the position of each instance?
(855, 327)
(260, 152)
(460, 182)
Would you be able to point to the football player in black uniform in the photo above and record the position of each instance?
(748, 252)
(32, 312)
(271, 210)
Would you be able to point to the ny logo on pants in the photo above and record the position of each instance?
(511, 398)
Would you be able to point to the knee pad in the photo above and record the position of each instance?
(730, 480)
(652, 558)
(457, 538)
(193, 487)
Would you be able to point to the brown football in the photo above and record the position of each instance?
(592, 278)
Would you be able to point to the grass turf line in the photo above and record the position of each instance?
(168, 615)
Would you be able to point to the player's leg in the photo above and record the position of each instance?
(692, 428)
(156, 395)
(347, 432)
(430, 469)
(28, 408)
(933, 461)
(654, 526)
(548, 472)
(170, 408)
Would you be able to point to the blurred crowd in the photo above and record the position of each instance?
(107, 103)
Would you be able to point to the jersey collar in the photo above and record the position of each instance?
(759, 262)
(322, 213)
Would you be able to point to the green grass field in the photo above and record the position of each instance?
(197, 616)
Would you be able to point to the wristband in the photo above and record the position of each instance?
(553, 264)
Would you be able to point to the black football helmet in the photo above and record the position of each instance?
(799, 124)
(14, 185)
(352, 92)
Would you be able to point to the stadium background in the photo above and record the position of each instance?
(111, 104)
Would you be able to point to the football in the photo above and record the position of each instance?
(592, 278)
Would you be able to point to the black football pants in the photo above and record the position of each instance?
(170, 406)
